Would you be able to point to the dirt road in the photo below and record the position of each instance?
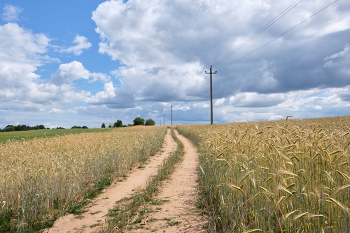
(178, 213)
(95, 215)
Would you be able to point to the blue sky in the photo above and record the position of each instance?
(65, 63)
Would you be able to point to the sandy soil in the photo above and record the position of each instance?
(178, 213)
(96, 212)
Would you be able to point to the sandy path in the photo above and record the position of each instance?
(179, 213)
(96, 213)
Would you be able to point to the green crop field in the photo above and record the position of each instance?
(42, 133)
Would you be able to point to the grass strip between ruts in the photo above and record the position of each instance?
(127, 208)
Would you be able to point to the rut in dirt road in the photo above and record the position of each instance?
(178, 213)
(95, 215)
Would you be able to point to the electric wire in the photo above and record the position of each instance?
(278, 36)
(289, 8)
(189, 92)
(283, 13)
(199, 90)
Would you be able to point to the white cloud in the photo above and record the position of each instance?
(104, 96)
(219, 102)
(250, 99)
(340, 54)
(11, 13)
(167, 45)
(75, 70)
(82, 44)
(21, 53)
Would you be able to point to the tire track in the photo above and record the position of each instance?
(180, 193)
(95, 216)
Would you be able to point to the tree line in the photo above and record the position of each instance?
(9, 128)
(118, 123)
(136, 121)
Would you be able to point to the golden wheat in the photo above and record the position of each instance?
(277, 176)
(40, 175)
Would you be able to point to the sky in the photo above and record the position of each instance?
(66, 63)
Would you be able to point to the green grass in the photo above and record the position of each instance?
(40, 133)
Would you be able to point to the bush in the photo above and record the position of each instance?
(139, 121)
(103, 125)
(85, 127)
(150, 122)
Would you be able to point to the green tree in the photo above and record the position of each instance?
(103, 125)
(119, 123)
(110, 125)
(139, 121)
(150, 122)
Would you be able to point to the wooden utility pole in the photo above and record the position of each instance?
(171, 114)
(211, 92)
(164, 120)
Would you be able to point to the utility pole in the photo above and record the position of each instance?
(211, 92)
(160, 122)
(164, 120)
(171, 114)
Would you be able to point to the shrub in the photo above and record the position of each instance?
(103, 125)
(150, 122)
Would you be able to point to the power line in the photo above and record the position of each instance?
(278, 36)
(204, 85)
(283, 13)
(189, 92)
(289, 8)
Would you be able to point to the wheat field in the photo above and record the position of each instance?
(40, 176)
(275, 176)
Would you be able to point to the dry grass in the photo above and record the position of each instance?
(43, 175)
(281, 176)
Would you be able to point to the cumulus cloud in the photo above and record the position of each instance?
(75, 70)
(21, 53)
(82, 44)
(256, 100)
(11, 13)
(168, 45)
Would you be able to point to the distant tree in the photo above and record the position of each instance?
(9, 128)
(150, 122)
(103, 125)
(119, 123)
(139, 121)
(110, 125)
(76, 127)
(85, 127)
(130, 125)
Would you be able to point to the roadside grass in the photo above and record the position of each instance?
(130, 211)
(43, 179)
(45, 133)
